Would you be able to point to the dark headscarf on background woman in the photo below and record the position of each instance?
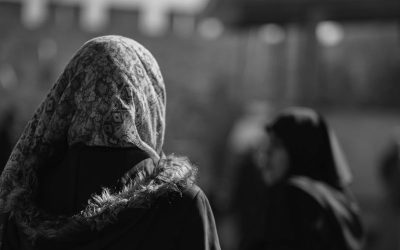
(313, 148)
(111, 94)
(317, 166)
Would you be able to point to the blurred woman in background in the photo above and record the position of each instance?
(102, 125)
(308, 204)
(384, 231)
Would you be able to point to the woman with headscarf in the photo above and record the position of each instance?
(88, 172)
(308, 205)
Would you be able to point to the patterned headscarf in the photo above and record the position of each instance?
(110, 94)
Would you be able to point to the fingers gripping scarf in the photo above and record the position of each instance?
(110, 94)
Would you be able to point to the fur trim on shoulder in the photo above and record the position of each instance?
(142, 186)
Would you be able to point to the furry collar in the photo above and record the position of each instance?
(143, 185)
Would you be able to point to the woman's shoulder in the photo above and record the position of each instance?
(192, 193)
(188, 198)
(193, 201)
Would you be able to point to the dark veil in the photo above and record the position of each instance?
(313, 148)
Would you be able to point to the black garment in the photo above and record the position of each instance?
(66, 187)
(5, 146)
(6, 134)
(176, 221)
(182, 223)
(295, 219)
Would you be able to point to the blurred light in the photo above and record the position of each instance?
(153, 23)
(8, 77)
(47, 49)
(210, 28)
(153, 19)
(34, 13)
(272, 34)
(192, 7)
(183, 25)
(329, 33)
(94, 15)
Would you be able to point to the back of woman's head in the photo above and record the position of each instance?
(111, 94)
(117, 95)
(310, 145)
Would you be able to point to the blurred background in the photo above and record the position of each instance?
(229, 65)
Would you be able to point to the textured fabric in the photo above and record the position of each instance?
(175, 223)
(111, 94)
(312, 147)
